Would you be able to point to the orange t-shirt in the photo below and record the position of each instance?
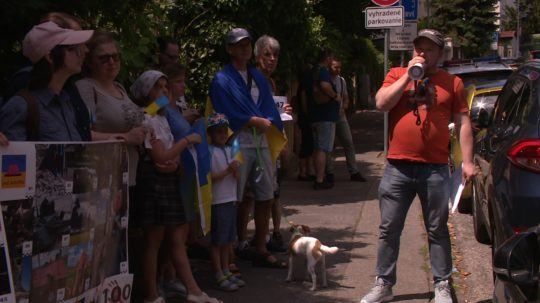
(443, 96)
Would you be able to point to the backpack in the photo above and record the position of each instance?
(32, 115)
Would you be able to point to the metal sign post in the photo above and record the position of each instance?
(386, 41)
(385, 17)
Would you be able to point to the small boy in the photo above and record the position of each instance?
(224, 194)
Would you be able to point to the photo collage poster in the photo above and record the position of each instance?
(67, 239)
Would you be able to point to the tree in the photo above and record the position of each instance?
(470, 23)
(529, 16)
(200, 27)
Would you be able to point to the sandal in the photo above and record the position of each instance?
(236, 281)
(202, 298)
(262, 260)
(235, 270)
(225, 284)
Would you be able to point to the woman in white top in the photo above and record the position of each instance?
(112, 113)
(164, 215)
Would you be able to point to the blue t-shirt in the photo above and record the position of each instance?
(328, 111)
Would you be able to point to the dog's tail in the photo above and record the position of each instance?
(329, 250)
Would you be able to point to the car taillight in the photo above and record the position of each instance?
(526, 154)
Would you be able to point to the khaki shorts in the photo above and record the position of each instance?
(261, 182)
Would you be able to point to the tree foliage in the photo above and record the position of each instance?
(301, 26)
(529, 16)
(470, 23)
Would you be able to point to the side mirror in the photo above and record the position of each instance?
(517, 260)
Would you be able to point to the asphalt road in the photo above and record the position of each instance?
(347, 216)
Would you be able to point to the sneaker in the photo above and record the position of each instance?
(225, 284)
(174, 288)
(275, 244)
(443, 292)
(239, 282)
(329, 178)
(358, 177)
(322, 185)
(381, 292)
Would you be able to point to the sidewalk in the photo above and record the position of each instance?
(346, 216)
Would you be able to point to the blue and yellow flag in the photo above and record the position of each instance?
(230, 96)
(155, 106)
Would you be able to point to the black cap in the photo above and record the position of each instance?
(432, 35)
(237, 34)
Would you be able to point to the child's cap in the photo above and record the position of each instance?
(217, 119)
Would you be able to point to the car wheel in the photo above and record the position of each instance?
(480, 229)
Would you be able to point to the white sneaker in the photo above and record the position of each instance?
(443, 292)
(174, 288)
(381, 292)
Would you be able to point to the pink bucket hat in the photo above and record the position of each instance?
(42, 38)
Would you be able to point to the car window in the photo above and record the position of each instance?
(506, 100)
(529, 105)
(522, 104)
(483, 103)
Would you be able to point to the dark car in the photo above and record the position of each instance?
(516, 266)
(506, 191)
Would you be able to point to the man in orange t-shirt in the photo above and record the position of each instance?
(419, 114)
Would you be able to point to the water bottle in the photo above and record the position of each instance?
(416, 72)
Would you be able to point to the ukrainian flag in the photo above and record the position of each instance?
(203, 196)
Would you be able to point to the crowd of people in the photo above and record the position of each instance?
(70, 92)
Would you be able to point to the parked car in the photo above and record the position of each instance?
(481, 101)
(506, 191)
(479, 70)
(516, 267)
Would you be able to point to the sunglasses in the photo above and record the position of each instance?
(104, 59)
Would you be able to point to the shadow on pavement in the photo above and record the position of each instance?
(407, 297)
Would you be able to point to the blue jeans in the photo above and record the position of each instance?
(401, 182)
(343, 134)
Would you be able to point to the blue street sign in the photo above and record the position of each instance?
(410, 8)
(495, 37)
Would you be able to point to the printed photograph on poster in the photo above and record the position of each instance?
(71, 235)
(7, 293)
(17, 171)
(280, 102)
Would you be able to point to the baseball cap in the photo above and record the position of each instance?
(217, 119)
(42, 38)
(237, 34)
(432, 35)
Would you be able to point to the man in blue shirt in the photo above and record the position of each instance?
(323, 103)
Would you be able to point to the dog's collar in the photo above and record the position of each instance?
(297, 233)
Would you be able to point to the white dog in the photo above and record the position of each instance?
(312, 249)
